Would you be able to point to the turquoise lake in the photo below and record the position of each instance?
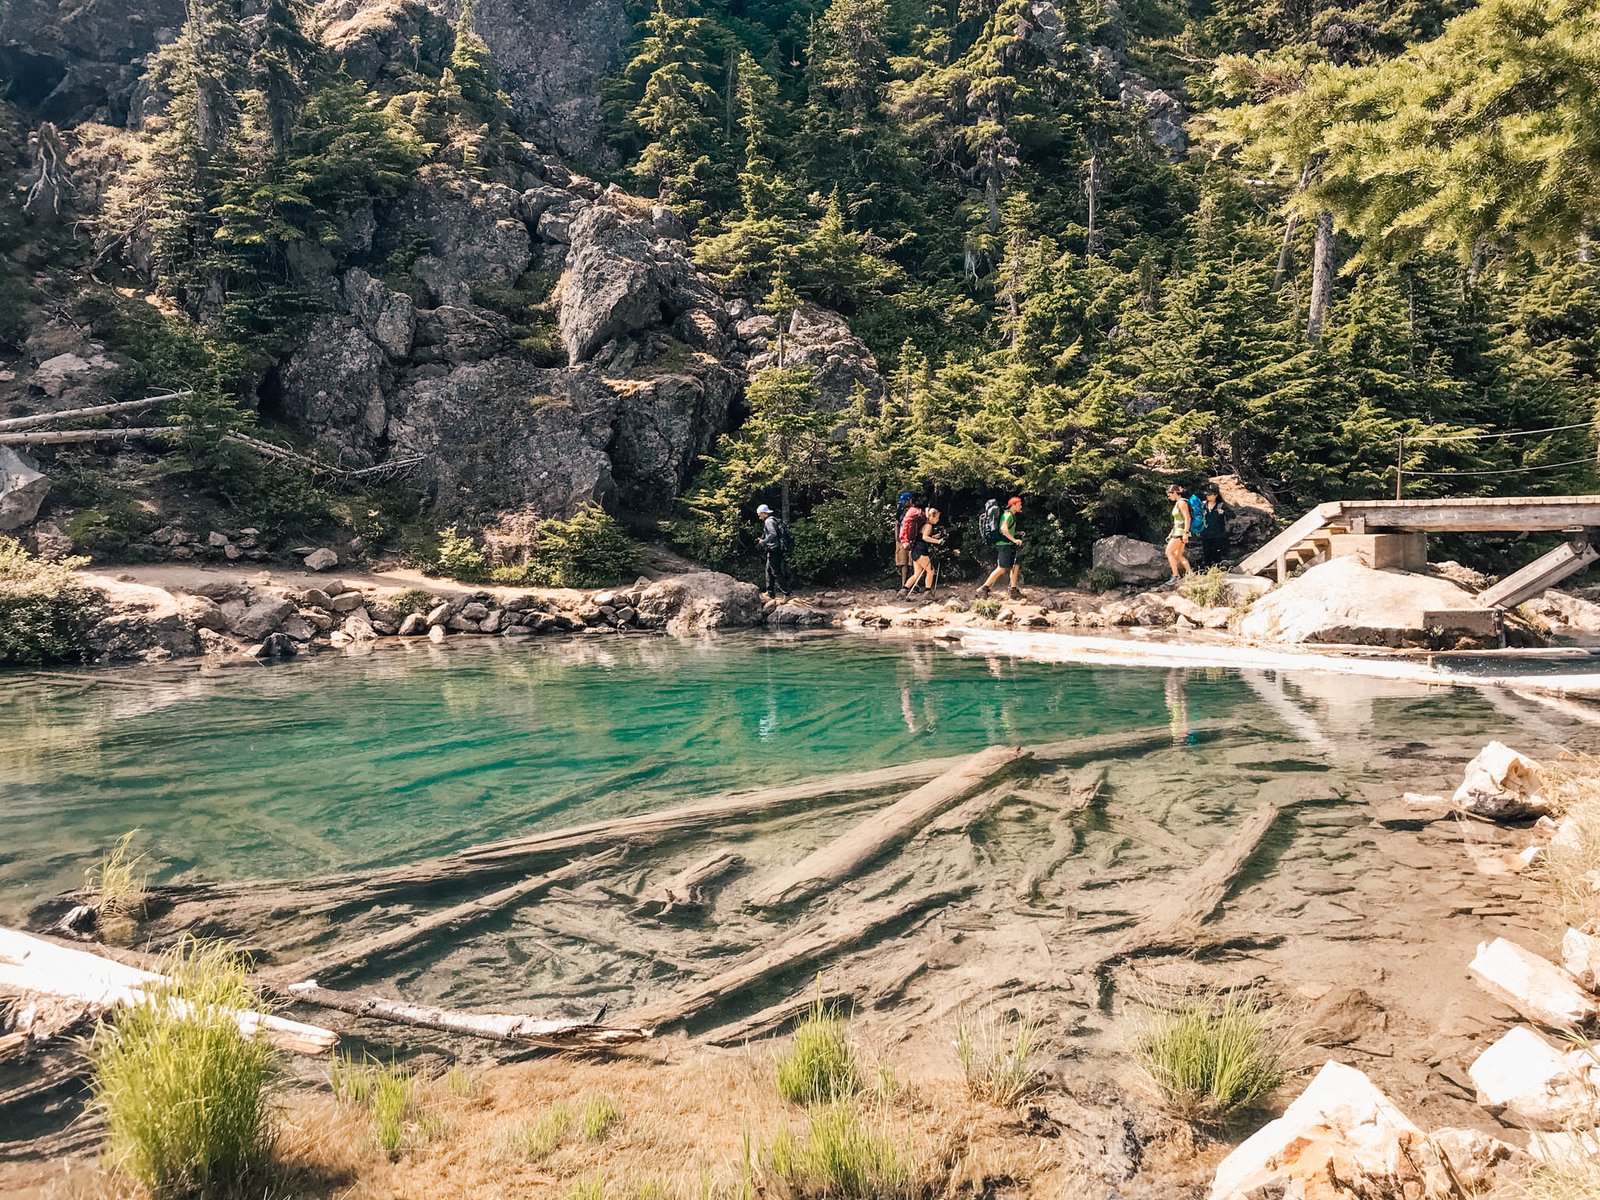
(342, 761)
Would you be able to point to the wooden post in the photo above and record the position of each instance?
(1399, 465)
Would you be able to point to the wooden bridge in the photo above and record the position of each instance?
(1335, 527)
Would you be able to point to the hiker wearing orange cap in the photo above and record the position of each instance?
(1007, 541)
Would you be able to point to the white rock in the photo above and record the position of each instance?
(358, 628)
(1580, 954)
(1341, 1118)
(1525, 1080)
(1478, 1159)
(1341, 601)
(1535, 987)
(321, 559)
(22, 490)
(1501, 785)
(346, 602)
(436, 633)
(1577, 1146)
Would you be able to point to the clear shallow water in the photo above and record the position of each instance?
(301, 768)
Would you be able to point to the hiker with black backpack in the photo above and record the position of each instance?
(1000, 531)
(932, 546)
(777, 541)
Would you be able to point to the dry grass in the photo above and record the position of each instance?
(1572, 860)
(997, 1057)
(1578, 1179)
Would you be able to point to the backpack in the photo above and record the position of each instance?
(785, 538)
(989, 524)
(1197, 515)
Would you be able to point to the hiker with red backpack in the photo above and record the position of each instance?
(907, 534)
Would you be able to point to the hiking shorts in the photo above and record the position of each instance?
(902, 555)
(1006, 555)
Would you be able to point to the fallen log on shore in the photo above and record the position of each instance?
(1084, 789)
(503, 1027)
(454, 918)
(844, 856)
(32, 967)
(801, 948)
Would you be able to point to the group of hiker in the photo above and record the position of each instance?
(923, 544)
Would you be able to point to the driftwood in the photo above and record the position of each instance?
(454, 918)
(801, 948)
(688, 888)
(776, 1016)
(12, 424)
(841, 858)
(93, 985)
(1083, 790)
(70, 437)
(503, 1027)
(1174, 924)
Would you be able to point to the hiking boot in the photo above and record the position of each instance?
(1016, 593)
(982, 593)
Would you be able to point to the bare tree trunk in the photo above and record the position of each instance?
(1321, 277)
(1291, 228)
(1091, 189)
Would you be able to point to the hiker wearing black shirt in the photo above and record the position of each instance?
(1213, 528)
(777, 541)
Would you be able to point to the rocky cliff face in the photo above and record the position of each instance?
(77, 60)
(653, 364)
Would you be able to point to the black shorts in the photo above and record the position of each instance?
(1006, 555)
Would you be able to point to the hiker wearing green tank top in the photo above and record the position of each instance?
(1178, 535)
(1007, 542)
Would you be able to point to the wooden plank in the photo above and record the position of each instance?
(33, 966)
(882, 831)
(1260, 561)
(799, 949)
(1475, 514)
(1543, 572)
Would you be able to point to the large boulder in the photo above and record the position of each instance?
(128, 621)
(332, 386)
(611, 288)
(1130, 559)
(1534, 986)
(1527, 1081)
(22, 490)
(1341, 1128)
(474, 228)
(841, 364)
(1343, 602)
(699, 601)
(1501, 785)
(664, 424)
(1564, 611)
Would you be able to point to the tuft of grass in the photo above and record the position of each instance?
(117, 883)
(840, 1158)
(1208, 588)
(389, 1094)
(188, 1099)
(988, 606)
(538, 1138)
(590, 1187)
(1573, 1177)
(598, 1117)
(997, 1061)
(1572, 860)
(1212, 1055)
(820, 1066)
(460, 1080)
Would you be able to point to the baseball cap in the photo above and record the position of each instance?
(903, 498)
(763, 511)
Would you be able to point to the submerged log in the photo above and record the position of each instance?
(1083, 790)
(428, 925)
(776, 1016)
(504, 1027)
(1174, 924)
(93, 985)
(840, 859)
(799, 949)
(688, 888)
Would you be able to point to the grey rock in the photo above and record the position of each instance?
(315, 598)
(699, 601)
(475, 611)
(460, 624)
(627, 615)
(474, 226)
(232, 552)
(275, 645)
(22, 489)
(414, 625)
(332, 387)
(492, 620)
(841, 364)
(1130, 559)
(611, 288)
(346, 602)
(388, 317)
(323, 559)
(217, 540)
(203, 613)
(298, 628)
(438, 614)
(264, 616)
(358, 628)
(318, 619)
(436, 633)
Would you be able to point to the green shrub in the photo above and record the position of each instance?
(1101, 579)
(1207, 588)
(412, 600)
(819, 1066)
(460, 557)
(998, 1063)
(1212, 1055)
(188, 1100)
(590, 550)
(840, 1158)
(843, 533)
(988, 606)
(41, 603)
